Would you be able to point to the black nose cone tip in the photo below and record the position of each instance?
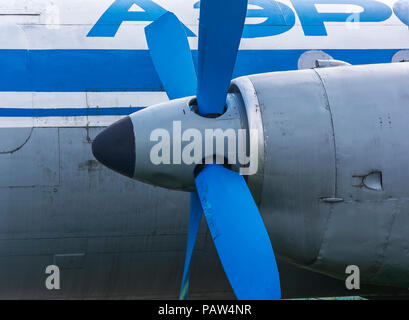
(115, 147)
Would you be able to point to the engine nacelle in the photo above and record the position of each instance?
(335, 185)
(329, 161)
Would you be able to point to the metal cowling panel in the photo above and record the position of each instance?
(299, 162)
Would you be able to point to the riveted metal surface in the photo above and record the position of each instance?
(369, 229)
(299, 161)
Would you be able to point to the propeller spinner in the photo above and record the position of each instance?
(237, 229)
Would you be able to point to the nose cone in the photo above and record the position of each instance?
(115, 147)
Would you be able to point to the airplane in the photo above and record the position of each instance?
(331, 175)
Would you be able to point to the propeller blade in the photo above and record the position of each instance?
(220, 30)
(239, 234)
(171, 56)
(195, 216)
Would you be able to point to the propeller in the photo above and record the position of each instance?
(222, 195)
(234, 221)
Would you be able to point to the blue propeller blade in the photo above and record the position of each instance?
(239, 234)
(220, 30)
(195, 217)
(236, 226)
(171, 56)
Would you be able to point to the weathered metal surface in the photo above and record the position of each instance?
(369, 107)
(132, 235)
(126, 239)
(35, 163)
(299, 161)
(338, 133)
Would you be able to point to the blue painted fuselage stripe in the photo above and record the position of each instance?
(132, 70)
(67, 112)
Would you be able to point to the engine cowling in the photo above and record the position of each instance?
(336, 176)
(331, 155)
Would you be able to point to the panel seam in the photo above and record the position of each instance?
(333, 131)
(331, 206)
